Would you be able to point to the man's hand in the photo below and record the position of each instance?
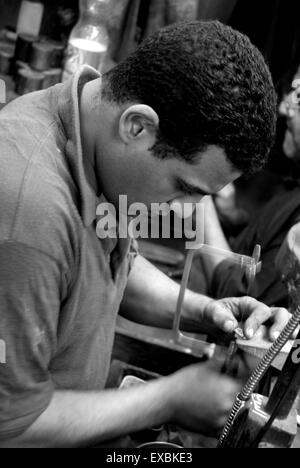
(222, 317)
(194, 398)
(201, 400)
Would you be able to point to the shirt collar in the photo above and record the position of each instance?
(68, 109)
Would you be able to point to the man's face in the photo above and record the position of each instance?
(291, 110)
(146, 179)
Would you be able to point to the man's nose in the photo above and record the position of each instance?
(185, 206)
(189, 199)
(283, 108)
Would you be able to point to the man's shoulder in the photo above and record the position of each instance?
(41, 213)
(37, 193)
(26, 122)
(24, 107)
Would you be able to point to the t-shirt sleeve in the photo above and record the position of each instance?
(229, 280)
(29, 311)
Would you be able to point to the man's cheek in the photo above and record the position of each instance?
(289, 146)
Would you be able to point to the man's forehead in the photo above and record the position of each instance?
(214, 169)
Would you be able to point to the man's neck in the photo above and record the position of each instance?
(97, 119)
(87, 130)
(87, 122)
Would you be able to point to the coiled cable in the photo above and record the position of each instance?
(258, 374)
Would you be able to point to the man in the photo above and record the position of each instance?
(290, 109)
(269, 227)
(187, 113)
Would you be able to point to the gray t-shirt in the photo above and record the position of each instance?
(60, 286)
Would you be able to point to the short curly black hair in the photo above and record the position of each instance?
(209, 86)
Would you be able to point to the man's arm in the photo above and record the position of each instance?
(81, 419)
(151, 298)
(194, 398)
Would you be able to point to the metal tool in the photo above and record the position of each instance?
(281, 404)
(251, 265)
(255, 420)
(253, 269)
(230, 366)
(266, 422)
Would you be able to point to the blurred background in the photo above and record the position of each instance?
(273, 25)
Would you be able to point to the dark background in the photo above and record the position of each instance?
(273, 25)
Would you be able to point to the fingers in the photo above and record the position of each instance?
(225, 314)
(280, 318)
(219, 316)
(258, 314)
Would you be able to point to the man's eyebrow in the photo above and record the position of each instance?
(190, 189)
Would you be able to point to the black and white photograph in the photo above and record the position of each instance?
(150, 227)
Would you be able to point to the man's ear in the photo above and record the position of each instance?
(138, 121)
